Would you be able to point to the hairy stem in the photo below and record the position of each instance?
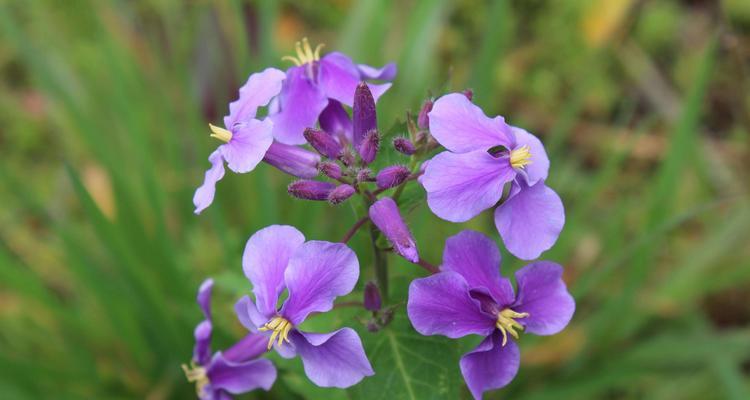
(354, 229)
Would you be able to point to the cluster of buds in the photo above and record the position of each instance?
(347, 148)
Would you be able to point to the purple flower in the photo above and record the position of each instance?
(469, 296)
(311, 85)
(385, 215)
(248, 140)
(313, 273)
(483, 155)
(233, 371)
(341, 193)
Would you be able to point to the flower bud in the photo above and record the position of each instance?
(347, 158)
(340, 194)
(469, 94)
(324, 143)
(392, 176)
(423, 120)
(310, 190)
(368, 149)
(404, 145)
(372, 297)
(364, 175)
(293, 160)
(385, 215)
(330, 169)
(364, 118)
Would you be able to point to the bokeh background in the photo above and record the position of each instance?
(644, 107)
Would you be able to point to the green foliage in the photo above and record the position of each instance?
(104, 107)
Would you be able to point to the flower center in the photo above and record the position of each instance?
(506, 322)
(196, 374)
(280, 327)
(305, 53)
(520, 157)
(220, 133)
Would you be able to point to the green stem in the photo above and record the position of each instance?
(381, 264)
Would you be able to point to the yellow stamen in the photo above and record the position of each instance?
(280, 327)
(305, 53)
(198, 375)
(520, 157)
(507, 324)
(220, 133)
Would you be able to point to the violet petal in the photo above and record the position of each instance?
(490, 365)
(542, 293)
(204, 195)
(300, 103)
(265, 259)
(335, 359)
(318, 272)
(460, 126)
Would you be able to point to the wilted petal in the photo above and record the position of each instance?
(334, 359)
(386, 73)
(542, 293)
(460, 126)
(460, 186)
(202, 348)
(490, 365)
(385, 215)
(335, 120)
(539, 167)
(338, 77)
(248, 146)
(300, 104)
(318, 272)
(265, 259)
(477, 258)
(293, 160)
(530, 221)
(204, 195)
(241, 377)
(441, 305)
(259, 89)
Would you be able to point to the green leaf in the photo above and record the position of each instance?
(408, 365)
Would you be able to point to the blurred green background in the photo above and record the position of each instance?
(644, 107)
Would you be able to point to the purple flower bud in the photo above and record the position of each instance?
(386, 216)
(293, 160)
(469, 94)
(404, 145)
(423, 120)
(368, 149)
(340, 194)
(330, 169)
(364, 175)
(392, 176)
(324, 143)
(310, 190)
(372, 296)
(347, 158)
(364, 118)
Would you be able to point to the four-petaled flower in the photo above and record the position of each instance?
(314, 273)
(469, 296)
(316, 87)
(248, 140)
(483, 155)
(234, 371)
